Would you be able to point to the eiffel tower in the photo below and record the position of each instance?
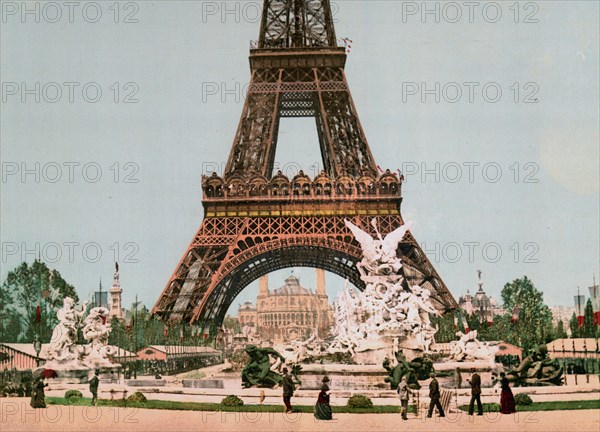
(257, 221)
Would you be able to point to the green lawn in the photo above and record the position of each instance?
(544, 406)
(377, 409)
(196, 406)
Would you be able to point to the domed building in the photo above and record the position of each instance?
(480, 304)
(289, 312)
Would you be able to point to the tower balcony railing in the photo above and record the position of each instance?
(301, 187)
(283, 45)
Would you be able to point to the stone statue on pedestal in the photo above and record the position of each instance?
(96, 331)
(63, 348)
(70, 360)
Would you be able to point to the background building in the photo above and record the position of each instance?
(562, 313)
(480, 304)
(289, 312)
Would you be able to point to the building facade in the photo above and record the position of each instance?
(480, 304)
(289, 312)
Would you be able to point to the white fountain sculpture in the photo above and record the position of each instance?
(63, 352)
(96, 331)
(65, 356)
(298, 351)
(468, 348)
(368, 323)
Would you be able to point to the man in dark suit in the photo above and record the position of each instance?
(475, 393)
(434, 396)
(288, 390)
(94, 388)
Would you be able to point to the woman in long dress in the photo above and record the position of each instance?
(322, 408)
(507, 400)
(38, 397)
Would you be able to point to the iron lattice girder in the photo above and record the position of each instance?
(255, 222)
(296, 23)
(299, 84)
(264, 244)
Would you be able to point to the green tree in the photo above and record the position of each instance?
(230, 323)
(499, 329)
(23, 288)
(535, 319)
(589, 328)
(574, 326)
(445, 325)
(117, 335)
(560, 332)
(8, 325)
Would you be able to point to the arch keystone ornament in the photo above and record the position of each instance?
(257, 221)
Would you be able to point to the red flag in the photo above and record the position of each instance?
(103, 319)
(38, 314)
(166, 331)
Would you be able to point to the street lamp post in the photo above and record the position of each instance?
(37, 346)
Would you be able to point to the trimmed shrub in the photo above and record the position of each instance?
(73, 394)
(137, 397)
(232, 400)
(359, 401)
(523, 399)
(238, 360)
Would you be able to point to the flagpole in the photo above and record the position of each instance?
(37, 345)
(135, 336)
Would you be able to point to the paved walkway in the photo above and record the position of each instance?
(17, 415)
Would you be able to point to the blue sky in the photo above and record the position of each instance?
(506, 182)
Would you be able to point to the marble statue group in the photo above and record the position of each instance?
(388, 312)
(63, 352)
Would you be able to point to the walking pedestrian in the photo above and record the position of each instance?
(475, 382)
(434, 396)
(507, 400)
(94, 382)
(323, 408)
(288, 390)
(38, 397)
(403, 393)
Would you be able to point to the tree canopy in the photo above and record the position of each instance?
(25, 287)
(534, 324)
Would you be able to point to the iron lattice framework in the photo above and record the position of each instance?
(256, 222)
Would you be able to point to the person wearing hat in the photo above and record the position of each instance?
(38, 397)
(323, 408)
(434, 396)
(94, 382)
(403, 393)
(288, 390)
(475, 382)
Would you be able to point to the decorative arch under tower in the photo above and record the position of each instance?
(256, 221)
